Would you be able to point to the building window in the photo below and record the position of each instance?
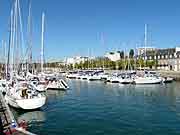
(171, 56)
(158, 56)
(166, 56)
(162, 57)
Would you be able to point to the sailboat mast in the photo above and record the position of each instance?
(103, 44)
(29, 64)
(145, 42)
(9, 47)
(42, 42)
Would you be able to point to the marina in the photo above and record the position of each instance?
(98, 108)
(89, 68)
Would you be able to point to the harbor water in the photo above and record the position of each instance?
(96, 108)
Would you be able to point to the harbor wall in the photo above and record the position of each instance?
(173, 74)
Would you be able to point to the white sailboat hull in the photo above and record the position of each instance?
(147, 80)
(94, 78)
(114, 80)
(59, 85)
(26, 104)
(126, 81)
(29, 104)
(11, 101)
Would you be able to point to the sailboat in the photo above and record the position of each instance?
(126, 77)
(19, 94)
(22, 95)
(52, 81)
(147, 78)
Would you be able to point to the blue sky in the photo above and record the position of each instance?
(75, 26)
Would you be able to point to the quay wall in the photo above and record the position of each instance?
(173, 74)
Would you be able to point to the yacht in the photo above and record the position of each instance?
(23, 95)
(148, 79)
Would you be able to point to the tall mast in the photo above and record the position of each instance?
(9, 46)
(145, 42)
(5, 58)
(145, 37)
(103, 44)
(42, 42)
(29, 64)
(17, 37)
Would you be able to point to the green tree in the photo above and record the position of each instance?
(122, 54)
(131, 53)
(151, 63)
(140, 62)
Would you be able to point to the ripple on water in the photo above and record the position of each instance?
(110, 109)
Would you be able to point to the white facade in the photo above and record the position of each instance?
(74, 60)
(141, 50)
(177, 49)
(113, 56)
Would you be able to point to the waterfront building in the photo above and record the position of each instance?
(75, 60)
(141, 50)
(167, 59)
(113, 56)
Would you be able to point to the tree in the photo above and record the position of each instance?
(140, 62)
(122, 54)
(151, 63)
(131, 53)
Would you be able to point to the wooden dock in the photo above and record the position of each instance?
(8, 122)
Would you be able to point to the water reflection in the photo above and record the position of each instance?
(34, 116)
(109, 109)
(55, 94)
(29, 116)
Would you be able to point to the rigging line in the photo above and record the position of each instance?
(21, 30)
